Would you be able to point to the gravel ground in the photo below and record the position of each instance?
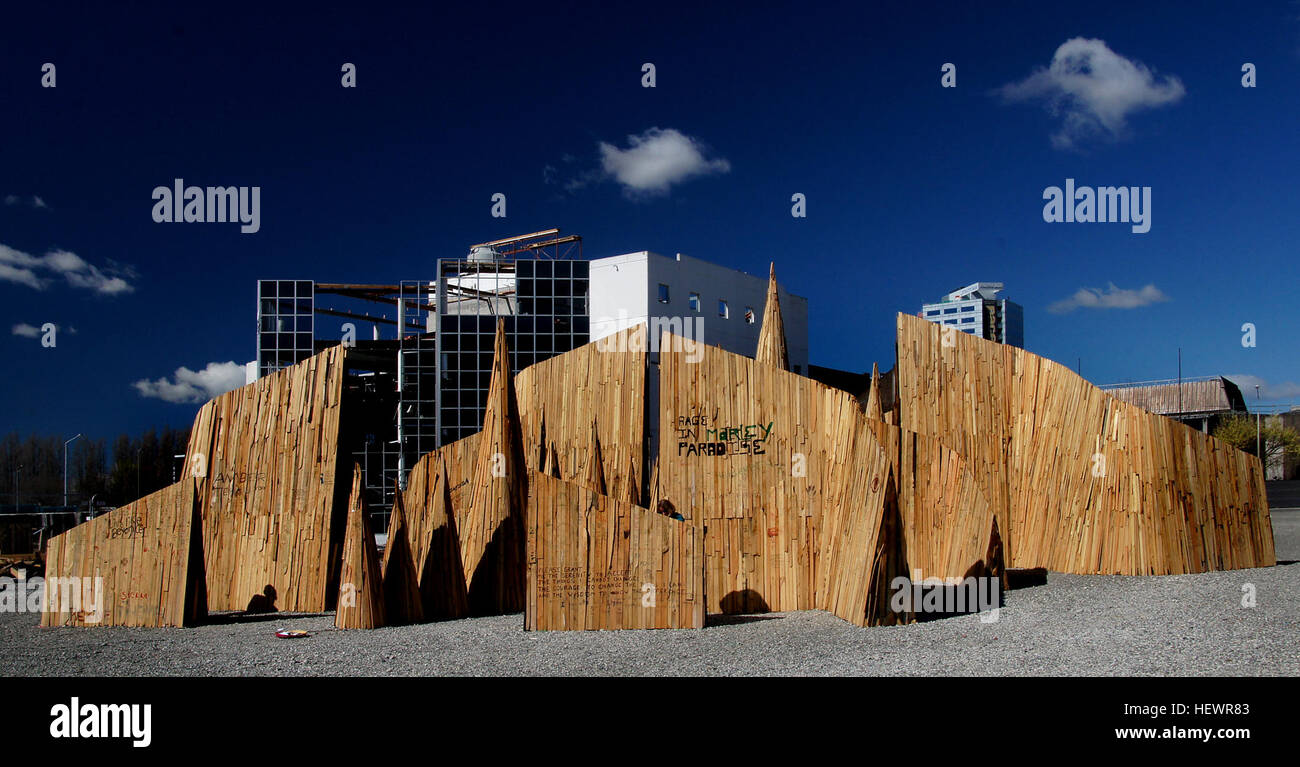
(1074, 625)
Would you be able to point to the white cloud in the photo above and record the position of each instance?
(1267, 391)
(657, 159)
(25, 269)
(26, 331)
(1110, 298)
(37, 202)
(194, 386)
(1093, 89)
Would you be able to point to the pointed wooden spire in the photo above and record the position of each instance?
(771, 339)
(491, 537)
(595, 476)
(442, 579)
(873, 397)
(402, 603)
(361, 595)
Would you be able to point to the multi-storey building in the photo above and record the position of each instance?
(975, 309)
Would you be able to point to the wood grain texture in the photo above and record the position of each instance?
(361, 588)
(596, 562)
(138, 565)
(771, 337)
(438, 486)
(1084, 482)
(785, 477)
(403, 602)
(272, 503)
(492, 527)
(559, 399)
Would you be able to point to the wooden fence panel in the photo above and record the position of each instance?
(597, 562)
(138, 565)
(1085, 482)
(266, 460)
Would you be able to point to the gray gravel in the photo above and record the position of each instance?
(1074, 625)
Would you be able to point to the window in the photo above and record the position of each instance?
(968, 308)
(953, 310)
(932, 313)
(663, 293)
(695, 302)
(964, 320)
(723, 312)
(950, 322)
(749, 315)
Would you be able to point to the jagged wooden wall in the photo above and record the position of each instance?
(596, 562)
(1084, 482)
(148, 557)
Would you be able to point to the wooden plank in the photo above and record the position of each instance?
(135, 566)
(1079, 480)
(597, 562)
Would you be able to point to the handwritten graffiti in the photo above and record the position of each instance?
(700, 434)
(130, 527)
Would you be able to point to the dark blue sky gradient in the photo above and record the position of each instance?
(912, 189)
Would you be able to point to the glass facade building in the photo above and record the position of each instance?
(285, 323)
(544, 304)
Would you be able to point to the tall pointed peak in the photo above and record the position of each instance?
(361, 596)
(873, 407)
(402, 602)
(771, 339)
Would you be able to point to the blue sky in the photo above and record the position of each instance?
(912, 189)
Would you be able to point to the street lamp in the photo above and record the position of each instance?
(65, 467)
(1258, 448)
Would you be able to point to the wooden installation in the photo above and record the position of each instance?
(782, 473)
(872, 407)
(402, 600)
(266, 459)
(771, 337)
(967, 458)
(492, 528)
(361, 589)
(595, 562)
(604, 382)
(948, 526)
(138, 565)
(429, 519)
(1084, 482)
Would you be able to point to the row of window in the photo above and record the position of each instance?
(964, 320)
(952, 310)
(724, 311)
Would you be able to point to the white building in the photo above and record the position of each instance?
(977, 310)
(727, 304)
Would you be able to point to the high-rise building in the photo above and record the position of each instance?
(977, 310)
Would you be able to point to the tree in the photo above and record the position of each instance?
(1278, 439)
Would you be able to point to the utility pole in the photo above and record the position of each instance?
(65, 467)
(1180, 380)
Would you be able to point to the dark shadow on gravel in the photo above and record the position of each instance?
(227, 619)
(733, 620)
(1026, 577)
